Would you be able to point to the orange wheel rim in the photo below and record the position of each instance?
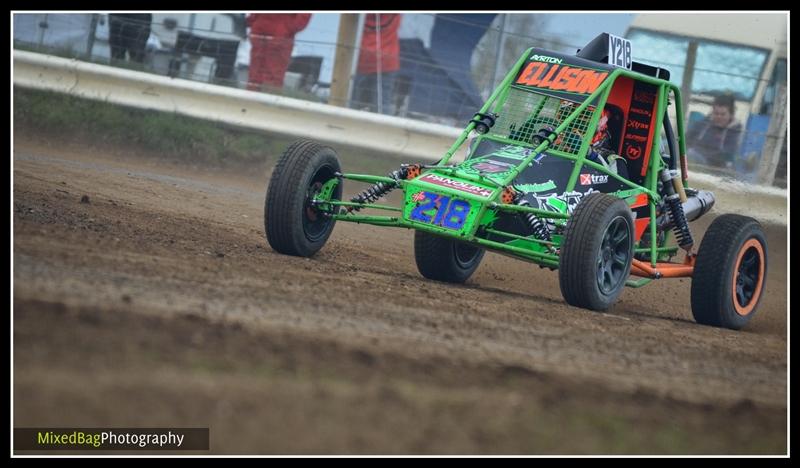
(751, 251)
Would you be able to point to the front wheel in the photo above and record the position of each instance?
(293, 225)
(730, 272)
(595, 258)
(443, 259)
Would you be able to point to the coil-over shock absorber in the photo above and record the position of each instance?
(675, 209)
(372, 193)
(539, 228)
(680, 225)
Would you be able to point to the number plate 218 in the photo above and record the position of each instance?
(440, 210)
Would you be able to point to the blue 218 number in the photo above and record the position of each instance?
(449, 213)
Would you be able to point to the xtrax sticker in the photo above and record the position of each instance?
(592, 179)
(455, 185)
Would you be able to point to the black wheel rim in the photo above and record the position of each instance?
(614, 256)
(747, 276)
(465, 254)
(315, 222)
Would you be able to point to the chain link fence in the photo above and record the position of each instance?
(430, 67)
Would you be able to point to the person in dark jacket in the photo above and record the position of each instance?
(714, 141)
(129, 33)
(272, 41)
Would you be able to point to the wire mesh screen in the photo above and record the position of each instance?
(525, 114)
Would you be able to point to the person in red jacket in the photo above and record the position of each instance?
(379, 56)
(272, 41)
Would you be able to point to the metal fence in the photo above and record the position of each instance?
(434, 67)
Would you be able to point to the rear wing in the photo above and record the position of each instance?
(609, 49)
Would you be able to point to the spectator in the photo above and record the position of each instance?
(129, 33)
(715, 140)
(272, 41)
(379, 57)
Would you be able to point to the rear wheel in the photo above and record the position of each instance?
(595, 258)
(730, 272)
(443, 259)
(293, 225)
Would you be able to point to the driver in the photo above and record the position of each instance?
(600, 149)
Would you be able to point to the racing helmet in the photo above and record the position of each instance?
(602, 127)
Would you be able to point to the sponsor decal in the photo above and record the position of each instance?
(563, 203)
(488, 168)
(638, 138)
(500, 163)
(513, 152)
(418, 197)
(644, 97)
(491, 167)
(635, 124)
(592, 179)
(644, 112)
(558, 77)
(543, 187)
(517, 153)
(545, 58)
(455, 185)
(633, 152)
(638, 125)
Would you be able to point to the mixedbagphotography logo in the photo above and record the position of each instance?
(111, 439)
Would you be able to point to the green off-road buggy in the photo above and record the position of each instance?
(573, 164)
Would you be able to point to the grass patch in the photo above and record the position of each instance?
(173, 136)
(62, 118)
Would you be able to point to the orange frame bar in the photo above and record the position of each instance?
(664, 269)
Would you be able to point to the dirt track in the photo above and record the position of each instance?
(159, 303)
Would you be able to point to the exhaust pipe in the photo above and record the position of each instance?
(698, 203)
